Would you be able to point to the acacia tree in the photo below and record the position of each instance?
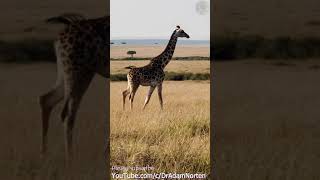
(131, 53)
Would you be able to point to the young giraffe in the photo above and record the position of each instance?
(152, 74)
(82, 50)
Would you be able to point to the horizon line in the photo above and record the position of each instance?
(153, 38)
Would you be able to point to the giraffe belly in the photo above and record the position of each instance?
(149, 83)
(146, 76)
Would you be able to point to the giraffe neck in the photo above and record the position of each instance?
(164, 58)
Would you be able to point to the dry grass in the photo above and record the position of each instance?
(174, 66)
(173, 140)
(20, 129)
(267, 124)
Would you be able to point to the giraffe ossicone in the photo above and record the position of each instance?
(153, 73)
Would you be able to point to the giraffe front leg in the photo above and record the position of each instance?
(148, 96)
(76, 84)
(160, 95)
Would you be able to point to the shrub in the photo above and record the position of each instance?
(131, 53)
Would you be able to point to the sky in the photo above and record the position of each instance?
(157, 19)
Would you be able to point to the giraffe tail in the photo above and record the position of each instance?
(130, 67)
(67, 19)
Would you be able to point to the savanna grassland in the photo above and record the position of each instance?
(21, 83)
(267, 119)
(120, 51)
(20, 129)
(267, 98)
(173, 140)
(192, 66)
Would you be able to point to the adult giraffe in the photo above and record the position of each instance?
(153, 73)
(82, 50)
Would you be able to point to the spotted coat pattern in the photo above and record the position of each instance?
(82, 50)
(153, 73)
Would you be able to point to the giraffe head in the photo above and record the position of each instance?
(180, 33)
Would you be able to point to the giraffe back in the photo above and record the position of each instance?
(85, 43)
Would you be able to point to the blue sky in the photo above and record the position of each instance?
(146, 19)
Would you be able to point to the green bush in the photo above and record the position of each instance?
(131, 53)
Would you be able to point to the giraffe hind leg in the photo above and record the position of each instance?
(76, 84)
(49, 100)
(47, 103)
(124, 94)
(71, 107)
(133, 91)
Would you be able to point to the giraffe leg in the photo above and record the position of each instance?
(72, 105)
(133, 91)
(47, 102)
(76, 84)
(160, 95)
(148, 96)
(124, 94)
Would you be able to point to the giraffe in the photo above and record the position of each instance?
(82, 50)
(153, 73)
